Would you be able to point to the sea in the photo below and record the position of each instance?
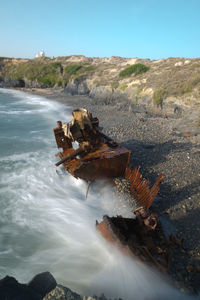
(46, 222)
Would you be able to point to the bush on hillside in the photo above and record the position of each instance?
(123, 87)
(134, 69)
(158, 97)
(57, 65)
(48, 80)
(90, 68)
(73, 69)
(114, 85)
(46, 74)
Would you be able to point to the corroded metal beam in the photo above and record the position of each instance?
(140, 189)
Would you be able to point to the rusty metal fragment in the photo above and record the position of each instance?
(98, 156)
(139, 187)
(135, 238)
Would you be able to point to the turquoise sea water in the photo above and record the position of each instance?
(45, 221)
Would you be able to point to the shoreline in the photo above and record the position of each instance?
(146, 138)
(157, 149)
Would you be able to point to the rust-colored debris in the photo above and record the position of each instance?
(139, 237)
(188, 134)
(139, 187)
(98, 156)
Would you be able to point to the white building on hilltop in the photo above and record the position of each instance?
(40, 54)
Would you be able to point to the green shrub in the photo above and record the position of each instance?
(44, 73)
(13, 73)
(73, 69)
(123, 87)
(64, 82)
(136, 69)
(97, 83)
(59, 83)
(188, 88)
(114, 84)
(56, 65)
(159, 96)
(138, 91)
(90, 68)
(48, 80)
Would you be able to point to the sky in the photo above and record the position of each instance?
(100, 28)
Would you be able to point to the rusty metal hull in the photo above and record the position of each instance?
(105, 162)
(99, 157)
(133, 240)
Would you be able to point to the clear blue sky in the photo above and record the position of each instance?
(130, 28)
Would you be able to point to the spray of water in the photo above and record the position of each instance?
(48, 224)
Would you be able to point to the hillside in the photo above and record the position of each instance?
(160, 82)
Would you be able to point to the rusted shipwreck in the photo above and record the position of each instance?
(98, 156)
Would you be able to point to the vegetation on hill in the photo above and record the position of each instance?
(134, 69)
(162, 80)
(48, 74)
(44, 72)
(158, 97)
(73, 69)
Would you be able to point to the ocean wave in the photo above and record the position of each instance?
(16, 112)
(21, 156)
(38, 105)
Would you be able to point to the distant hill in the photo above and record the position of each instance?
(164, 81)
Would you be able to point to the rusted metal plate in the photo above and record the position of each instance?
(61, 140)
(140, 189)
(134, 239)
(100, 156)
(106, 162)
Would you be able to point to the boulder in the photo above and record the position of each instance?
(77, 86)
(12, 83)
(42, 283)
(36, 289)
(64, 293)
(11, 289)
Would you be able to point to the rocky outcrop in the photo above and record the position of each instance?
(64, 293)
(42, 284)
(42, 287)
(12, 83)
(36, 289)
(77, 86)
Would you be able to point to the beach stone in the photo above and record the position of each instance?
(42, 283)
(11, 289)
(77, 86)
(190, 268)
(62, 293)
(188, 134)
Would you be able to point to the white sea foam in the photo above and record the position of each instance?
(16, 112)
(38, 104)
